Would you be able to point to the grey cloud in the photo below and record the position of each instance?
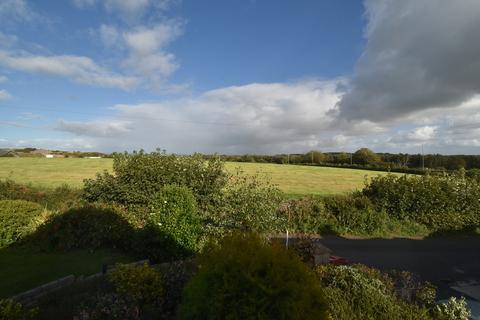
(110, 129)
(419, 55)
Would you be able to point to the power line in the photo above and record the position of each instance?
(134, 117)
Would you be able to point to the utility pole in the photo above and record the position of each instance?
(312, 157)
(423, 159)
(351, 159)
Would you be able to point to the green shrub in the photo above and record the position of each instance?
(453, 309)
(363, 293)
(109, 306)
(141, 284)
(11, 310)
(248, 203)
(173, 228)
(88, 227)
(18, 219)
(60, 198)
(441, 202)
(245, 278)
(138, 176)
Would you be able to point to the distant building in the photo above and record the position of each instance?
(50, 156)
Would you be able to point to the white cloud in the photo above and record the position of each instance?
(272, 117)
(78, 68)
(423, 133)
(4, 95)
(16, 10)
(128, 10)
(148, 57)
(109, 36)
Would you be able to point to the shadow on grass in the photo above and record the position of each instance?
(80, 241)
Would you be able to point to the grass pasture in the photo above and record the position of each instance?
(292, 179)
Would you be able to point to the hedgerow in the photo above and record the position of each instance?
(19, 219)
(450, 202)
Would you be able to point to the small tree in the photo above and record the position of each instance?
(365, 156)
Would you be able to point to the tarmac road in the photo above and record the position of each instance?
(442, 261)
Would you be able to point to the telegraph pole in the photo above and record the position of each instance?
(423, 159)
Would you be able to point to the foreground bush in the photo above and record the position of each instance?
(18, 219)
(11, 310)
(142, 284)
(244, 278)
(138, 176)
(173, 228)
(453, 309)
(88, 227)
(363, 293)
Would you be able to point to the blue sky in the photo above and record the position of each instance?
(237, 76)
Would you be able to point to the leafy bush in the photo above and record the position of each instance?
(440, 202)
(88, 227)
(60, 198)
(11, 310)
(244, 278)
(141, 284)
(18, 219)
(453, 309)
(248, 203)
(139, 175)
(364, 293)
(173, 227)
(108, 306)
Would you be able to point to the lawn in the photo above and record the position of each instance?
(24, 269)
(291, 179)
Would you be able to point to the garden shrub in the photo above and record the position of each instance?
(141, 284)
(11, 310)
(18, 219)
(89, 227)
(245, 278)
(138, 176)
(174, 227)
(453, 309)
(363, 293)
(306, 215)
(248, 203)
(110, 306)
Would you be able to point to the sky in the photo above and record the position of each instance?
(241, 76)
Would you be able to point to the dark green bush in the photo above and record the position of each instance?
(89, 227)
(18, 219)
(141, 284)
(363, 293)
(245, 278)
(11, 310)
(60, 198)
(109, 306)
(173, 228)
(138, 176)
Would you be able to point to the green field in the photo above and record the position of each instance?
(291, 179)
